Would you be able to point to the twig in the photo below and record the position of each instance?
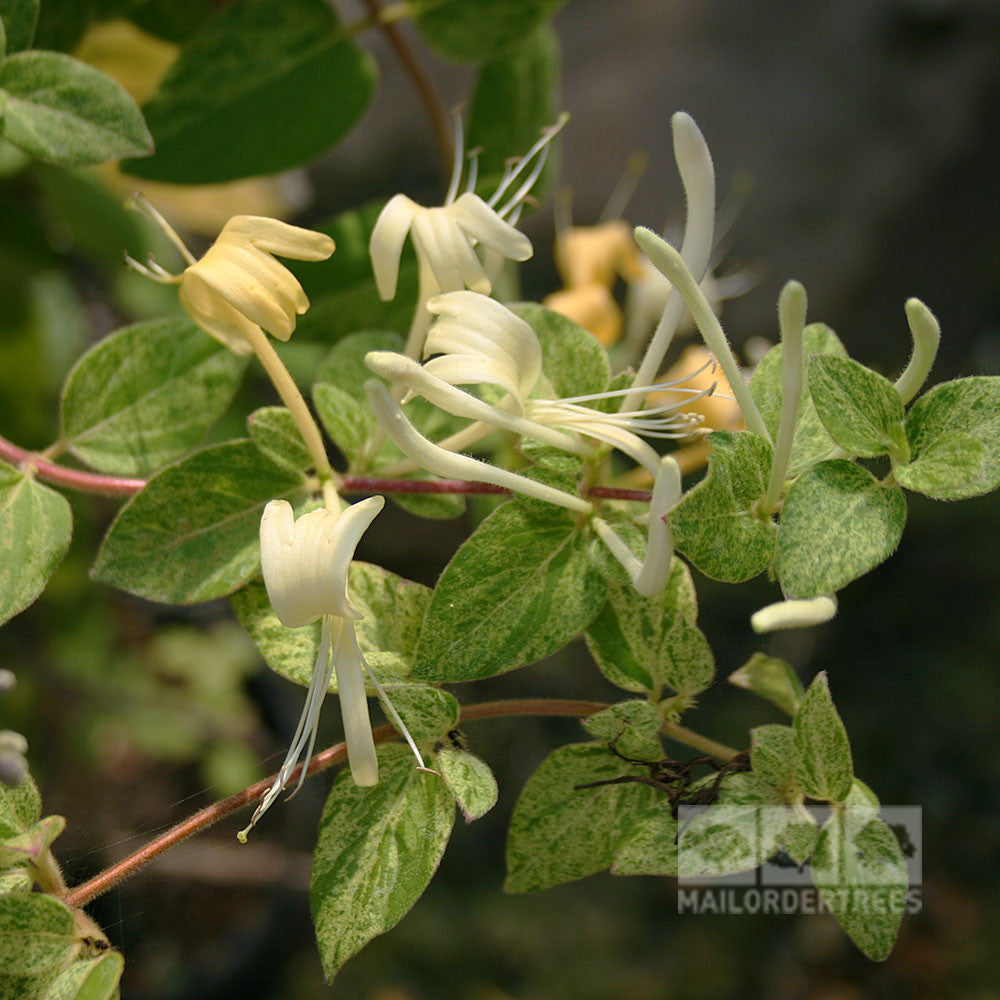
(74, 479)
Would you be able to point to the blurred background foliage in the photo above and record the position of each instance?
(871, 133)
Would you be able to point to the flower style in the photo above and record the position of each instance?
(480, 342)
(305, 564)
(238, 287)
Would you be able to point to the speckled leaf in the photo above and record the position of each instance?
(859, 869)
(19, 20)
(573, 360)
(36, 934)
(631, 726)
(860, 409)
(146, 394)
(469, 779)
(193, 533)
(274, 431)
(36, 525)
(773, 754)
(954, 461)
(641, 643)
(559, 832)
(770, 678)
(427, 712)
(519, 588)
(823, 765)
(376, 851)
(812, 442)
(714, 525)
(650, 848)
(90, 979)
(837, 523)
(966, 406)
(800, 837)
(26, 848)
(20, 808)
(347, 420)
(393, 610)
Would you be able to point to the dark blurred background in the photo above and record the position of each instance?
(871, 132)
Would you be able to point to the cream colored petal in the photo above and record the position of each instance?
(468, 369)
(694, 164)
(270, 274)
(433, 237)
(214, 315)
(361, 755)
(625, 441)
(794, 614)
(386, 243)
(280, 238)
(659, 545)
(247, 296)
(483, 224)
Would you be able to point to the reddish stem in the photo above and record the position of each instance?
(74, 479)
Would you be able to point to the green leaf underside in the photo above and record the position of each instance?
(811, 442)
(966, 406)
(193, 533)
(519, 588)
(146, 394)
(646, 643)
(469, 779)
(36, 525)
(632, 727)
(837, 523)
(952, 462)
(858, 867)
(36, 934)
(823, 766)
(860, 409)
(393, 610)
(714, 526)
(474, 30)
(20, 808)
(248, 91)
(62, 111)
(514, 98)
(376, 851)
(90, 979)
(559, 833)
(274, 431)
(770, 678)
(572, 359)
(773, 754)
(26, 848)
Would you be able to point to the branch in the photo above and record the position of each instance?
(433, 105)
(74, 479)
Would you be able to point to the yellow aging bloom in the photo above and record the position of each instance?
(238, 287)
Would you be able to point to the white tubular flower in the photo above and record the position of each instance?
(445, 237)
(794, 613)
(479, 341)
(238, 287)
(305, 565)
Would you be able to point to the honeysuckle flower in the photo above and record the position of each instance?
(305, 564)
(794, 613)
(238, 287)
(480, 342)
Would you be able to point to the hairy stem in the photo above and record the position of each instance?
(74, 479)
(337, 754)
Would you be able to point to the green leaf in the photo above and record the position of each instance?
(376, 852)
(14, 880)
(36, 525)
(519, 588)
(572, 359)
(837, 523)
(274, 431)
(650, 847)
(773, 755)
(469, 779)
(800, 837)
(474, 30)
(770, 678)
(812, 442)
(261, 88)
(966, 406)
(20, 808)
(514, 98)
(19, 18)
(90, 979)
(65, 112)
(823, 765)
(715, 525)
(632, 727)
(36, 934)
(146, 394)
(858, 867)
(643, 643)
(26, 848)
(427, 712)
(193, 533)
(860, 409)
(559, 832)
(393, 610)
(953, 461)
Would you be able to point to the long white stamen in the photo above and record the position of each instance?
(459, 159)
(361, 754)
(622, 193)
(146, 272)
(394, 716)
(140, 203)
(631, 563)
(548, 134)
(473, 157)
(653, 576)
(926, 333)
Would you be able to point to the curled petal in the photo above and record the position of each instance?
(354, 709)
(386, 243)
(214, 314)
(274, 236)
(659, 547)
(231, 282)
(482, 223)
